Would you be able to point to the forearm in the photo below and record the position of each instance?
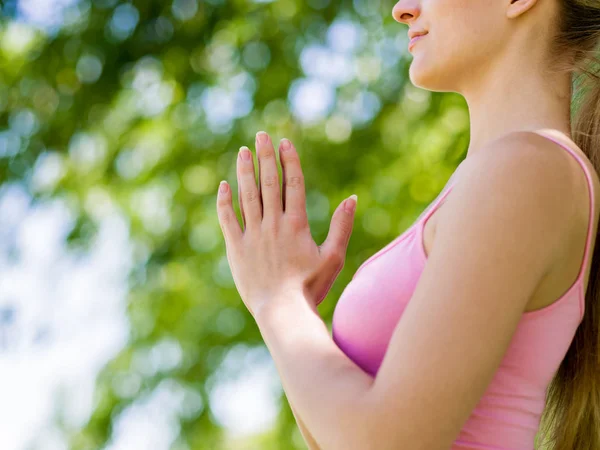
(326, 388)
(308, 438)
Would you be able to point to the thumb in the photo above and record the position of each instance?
(341, 228)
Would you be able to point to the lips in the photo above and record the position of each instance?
(412, 34)
(414, 40)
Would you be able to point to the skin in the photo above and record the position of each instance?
(512, 200)
(491, 53)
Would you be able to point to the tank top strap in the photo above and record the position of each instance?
(592, 202)
(437, 202)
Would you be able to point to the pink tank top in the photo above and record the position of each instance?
(508, 415)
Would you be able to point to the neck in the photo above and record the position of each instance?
(518, 100)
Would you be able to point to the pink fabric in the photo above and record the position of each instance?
(508, 415)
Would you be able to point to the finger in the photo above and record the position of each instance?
(295, 195)
(226, 214)
(269, 177)
(283, 186)
(248, 188)
(240, 198)
(336, 243)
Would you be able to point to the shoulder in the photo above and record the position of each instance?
(520, 186)
(524, 167)
(524, 155)
(540, 159)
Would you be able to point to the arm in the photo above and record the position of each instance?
(326, 388)
(308, 438)
(498, 236)
(457, 326)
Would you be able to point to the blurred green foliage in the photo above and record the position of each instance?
(141, 107)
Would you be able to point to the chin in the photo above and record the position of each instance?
(421, 76)
(429, 78)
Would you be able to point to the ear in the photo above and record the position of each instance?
(518, 7)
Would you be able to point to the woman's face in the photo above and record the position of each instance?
(464, 39)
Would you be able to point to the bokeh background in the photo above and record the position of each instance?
(120, 325)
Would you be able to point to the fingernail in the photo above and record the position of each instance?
(245, 153)
(285, 144)
(262, 137)
(351, 203)
(223, 187)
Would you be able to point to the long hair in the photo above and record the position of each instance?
(571, 419)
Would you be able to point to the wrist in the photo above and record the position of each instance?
(295, 302)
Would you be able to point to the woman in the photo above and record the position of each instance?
(452, 335)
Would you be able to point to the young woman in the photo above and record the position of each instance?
(478, 327)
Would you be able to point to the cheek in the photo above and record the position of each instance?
(443, 63)
(459, 23)
(460, 33)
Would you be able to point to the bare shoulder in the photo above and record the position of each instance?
(543, 151)
(568, 266)
(528, 169)
(528, 174)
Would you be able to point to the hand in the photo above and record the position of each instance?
(275, 255)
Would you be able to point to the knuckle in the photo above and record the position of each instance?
(341, 256)
(266, 155)
(247, 170)
(345, 226)
(270, 226)
(250, 196)
(225, 218)
(294, 182)
(270, 181)
(297, 221)
(335, 257)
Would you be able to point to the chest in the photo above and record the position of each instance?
(372, 304)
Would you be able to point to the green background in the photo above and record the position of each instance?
(143, 106)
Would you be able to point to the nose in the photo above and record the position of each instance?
(406, 11)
